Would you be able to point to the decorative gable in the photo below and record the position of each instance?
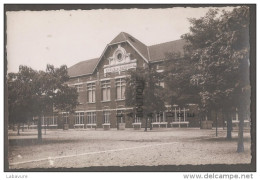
(120, 61)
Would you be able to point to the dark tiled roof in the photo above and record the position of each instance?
(119, 38)
(151, 53)
(83, 68)
(157, 52)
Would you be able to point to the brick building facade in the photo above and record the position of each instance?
(101, 84)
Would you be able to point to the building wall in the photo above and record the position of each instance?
(113, 105)
(98, 76)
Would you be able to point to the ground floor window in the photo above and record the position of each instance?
(44, 121)
(176, 115)
(120, 116)
(34, 121)
(79, 118)
(91, 118)
(53, 120)
(106, 117)
(65, 117)
(137, 119)
(159, 117)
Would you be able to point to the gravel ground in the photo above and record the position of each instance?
(85, 148)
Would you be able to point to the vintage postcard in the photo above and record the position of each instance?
(130, 88)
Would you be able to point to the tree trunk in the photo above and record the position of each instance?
(45, 125)
(18, 129)
(200, 118)
(216, 123)
(13, 126)
(39, 130)
(117, 125)
(240, 143)
(145, 129)
(229, 125)
(151, 127)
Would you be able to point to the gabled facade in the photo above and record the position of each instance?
(101, 82)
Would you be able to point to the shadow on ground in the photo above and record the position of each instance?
(34, 141)
(222, 139)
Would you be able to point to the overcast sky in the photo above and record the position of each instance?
(67, 37)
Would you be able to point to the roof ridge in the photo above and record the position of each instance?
(124, 35)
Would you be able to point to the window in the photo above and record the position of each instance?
(91, 88)
(159, 66)
(106, 117)
(159, 117)
(120, 88)
(79, 118)
(247, 116)
(105, 86)
(79, 87)
(34, 121)
(53, 120)
(137, 119)
(65, 117)
(161, 83)
(234, 116)
(120, 116)
(44, 121)
(91, 118)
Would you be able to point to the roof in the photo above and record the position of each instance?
(142, 48)
(157, 52)
(83, 68)
(151, 53)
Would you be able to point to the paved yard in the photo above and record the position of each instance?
(85, 148)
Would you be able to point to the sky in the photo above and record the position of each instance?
(38, 38)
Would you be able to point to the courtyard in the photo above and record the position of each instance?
(94, 148)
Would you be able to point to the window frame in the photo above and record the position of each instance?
(120, 83)
(91, 87)
(79, 118)
(91, 118)
(106, 117)
(105, 85)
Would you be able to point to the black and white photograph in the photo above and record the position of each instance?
(167, 88)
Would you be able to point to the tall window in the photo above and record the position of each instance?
(120, 116)
(91, 117)
(137, 119)
(91, 88)
(53, 120)
(65, 117)
(44, 120)
(120, 88)
(79, 118)
(79, 87)
(159, 117)
(105, 85)
(106, 117)
(234, 116)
